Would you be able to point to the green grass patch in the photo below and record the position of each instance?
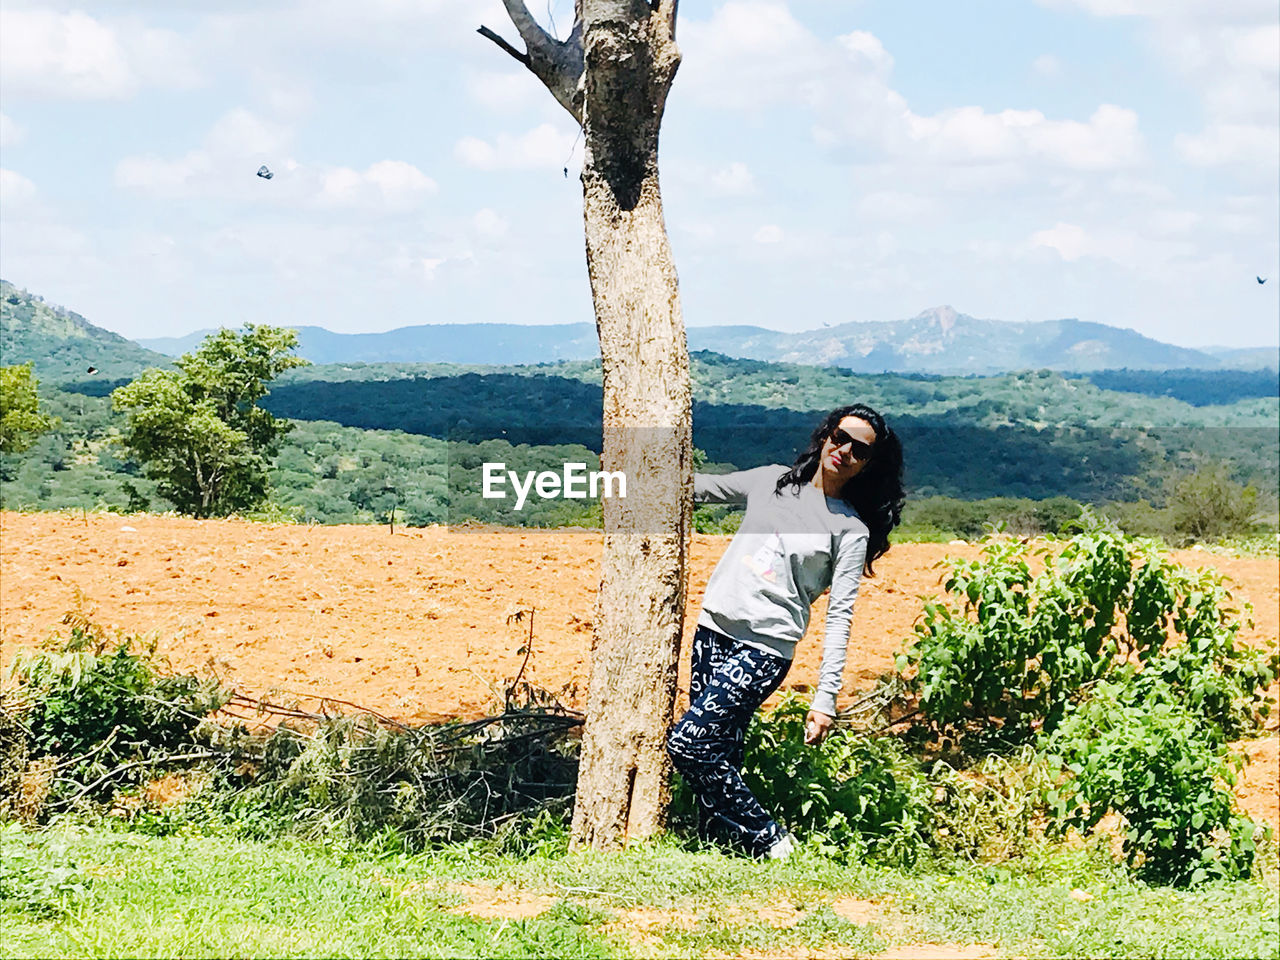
(116, 893)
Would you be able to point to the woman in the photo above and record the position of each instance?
(820, 524)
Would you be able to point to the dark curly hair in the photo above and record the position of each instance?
(875, 492)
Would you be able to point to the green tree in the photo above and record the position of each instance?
(21, 421)
(1208, 505)
(199, 431)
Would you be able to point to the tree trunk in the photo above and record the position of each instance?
(612, 74)
(623, 779)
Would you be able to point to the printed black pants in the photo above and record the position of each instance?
(728, 682)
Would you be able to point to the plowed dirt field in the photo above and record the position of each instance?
(415, 624)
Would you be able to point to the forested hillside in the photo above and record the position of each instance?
(361, 448)
(1029, 435)
(61, 345)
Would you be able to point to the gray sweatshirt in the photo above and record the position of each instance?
(790, 548)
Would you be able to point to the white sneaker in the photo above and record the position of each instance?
(782, 848)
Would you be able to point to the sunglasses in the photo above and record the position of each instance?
(857, 448)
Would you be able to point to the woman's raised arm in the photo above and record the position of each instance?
(732, 487)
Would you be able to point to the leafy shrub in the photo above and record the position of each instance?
(1208, 505)
(85, 688)
(107, 718)
(853, 794)
(1147, 758)
(1221, 682)
(103, 705)
(1018, 646)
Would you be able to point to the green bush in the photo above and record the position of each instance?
(1145, 757)
(1208, 505)
(852, 794)
(101, 704)
(1222, 682)
(88, 686)
(1015, 646)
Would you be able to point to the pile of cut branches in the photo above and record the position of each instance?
(96, 720)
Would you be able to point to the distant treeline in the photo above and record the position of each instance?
(718, 378)
(387, 438)
(1200, 388)
(1032, 435)
(329, 473)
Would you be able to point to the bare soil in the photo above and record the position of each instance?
(415, 625)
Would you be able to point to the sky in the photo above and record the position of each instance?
(822, 161)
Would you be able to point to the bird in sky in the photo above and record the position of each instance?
(265, 173)
(92, 370)
(1262, 279)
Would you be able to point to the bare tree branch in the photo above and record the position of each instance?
(522, 57)
(558, 64)
(530, 32)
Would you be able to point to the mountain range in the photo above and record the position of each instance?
(940, 340)
(63, 345)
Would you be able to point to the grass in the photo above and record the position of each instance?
(116, 893)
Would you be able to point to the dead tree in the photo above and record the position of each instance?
(612, 74)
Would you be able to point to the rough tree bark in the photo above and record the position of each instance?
(612, 74)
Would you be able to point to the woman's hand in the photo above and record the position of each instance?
(817, 726)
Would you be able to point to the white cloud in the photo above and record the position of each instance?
(542, 147)
(16, 191)
(1252, 147)
(489, 223)
(74, 56)
(735, 180)
(1047, 65)
(164, 177)
(1109, 140)
(11, 134)
(388, 184)
(1130, 249)
(1173, 222)
(241, 133)
(867, 49)
(386, 32)
(753, 54)
(750, 54)
(1199, 10)
(1227, 50)
(223, 164)
(895, 206)
(1068, 239)
(282, 95)
(429, 266)
(1128, 186)
(769, 233)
